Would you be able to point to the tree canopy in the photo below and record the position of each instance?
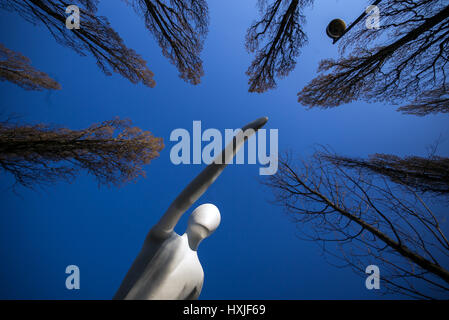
(405, 60)
(95, 35)
(113, 151)
(360, 218)
(426, 175)
(180, 27)
(276, 40)
(16, 68)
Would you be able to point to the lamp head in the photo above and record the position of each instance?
(336, 28)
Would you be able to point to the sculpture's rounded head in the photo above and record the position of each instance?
(203, 221)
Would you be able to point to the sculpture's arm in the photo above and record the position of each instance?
(201, 183)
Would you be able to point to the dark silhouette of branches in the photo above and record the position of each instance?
(180, 27)
(421, 174)
(406, 59)
(361, 218)
(277, 38)
(430, 101)
(17, 69)
(95, 35)
(112, 151)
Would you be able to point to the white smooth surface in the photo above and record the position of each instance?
(167, 266)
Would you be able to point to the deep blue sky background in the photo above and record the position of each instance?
(255, 253)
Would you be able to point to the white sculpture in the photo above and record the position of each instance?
(167, 266)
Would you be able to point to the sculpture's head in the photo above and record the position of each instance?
(203, 221)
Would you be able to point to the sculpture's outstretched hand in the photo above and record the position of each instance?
(201, 183)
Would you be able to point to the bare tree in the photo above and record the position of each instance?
(112, 151)
(16, 68)
(95, 35)
(361, 218)
(406, 59)
(276, 38)
(180, 27)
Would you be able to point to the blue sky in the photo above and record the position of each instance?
(255, 253)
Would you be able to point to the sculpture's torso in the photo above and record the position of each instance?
(164, 269)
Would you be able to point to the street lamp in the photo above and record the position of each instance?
(337, 27)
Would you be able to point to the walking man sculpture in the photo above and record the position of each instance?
(167, 266)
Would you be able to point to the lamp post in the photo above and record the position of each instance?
(337, 27)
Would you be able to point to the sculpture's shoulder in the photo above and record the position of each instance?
(158, 235)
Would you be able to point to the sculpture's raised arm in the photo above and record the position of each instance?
(201, 183)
